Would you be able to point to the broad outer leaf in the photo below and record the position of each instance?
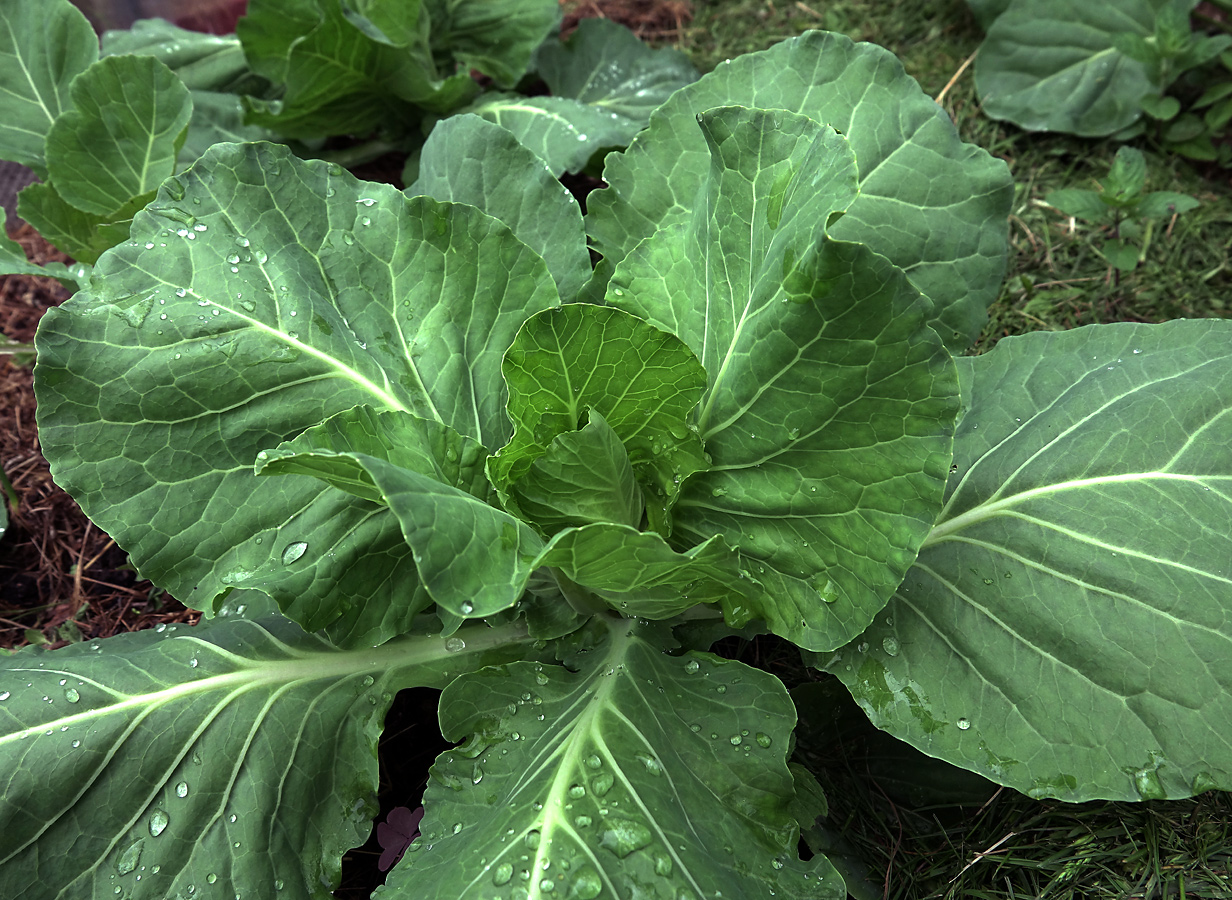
(933, 205)
(641, 770)
(43, 47)
(642, 380)
(1050, 65)
(235, 758)
(468, 159)
(830, 405)
(120, 138)
(258, 296)
(1068, 626)
(203, 62)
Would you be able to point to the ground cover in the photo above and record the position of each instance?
(1053, 850)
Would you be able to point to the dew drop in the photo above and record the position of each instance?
(211, 878)
(466, 607)
(193, 663)
(158, 822)
(602, 783)
(692, 666)
(293, 552)
(129, 858)
(502, 874)
(587, 885)
(662, 864)
(890, 646)
(5, 695)
(71, 695)
(622, 836)
(181, 790)
(763, 739)
(367, 681)
(577, 792)
(454, 644)
(736, 740)
(594, 762)
(963, 724)
(582, 821)
(76, 744)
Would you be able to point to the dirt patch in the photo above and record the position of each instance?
(61, 578)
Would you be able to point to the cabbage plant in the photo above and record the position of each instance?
(388, 439)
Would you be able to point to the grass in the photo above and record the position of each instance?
(1011, 846)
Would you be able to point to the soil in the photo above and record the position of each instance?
(63, 580)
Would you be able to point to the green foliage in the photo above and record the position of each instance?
(104, 133)
(388, 439)
(1096, 69)
(1121, 205)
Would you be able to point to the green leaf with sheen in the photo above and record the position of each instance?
(641, 769)
(474, 559)
(495, 37)
(830, 405)
(120, 138)
(237, 756)
(936, 207)
(1051, 65)
(203, 62)
(43, 47)
(1066, 628)
(328, 451)
(584, 477)
(563, 132)
(642, 380)
(639, 574)
(605, 65)
(220, 330)
(468, 159)
(340, 77)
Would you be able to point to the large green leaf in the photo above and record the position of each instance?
(830, 404)
(468, 159)
(235, 758)
(223, 328)
(1068, 626)
(43, 47)
(495, 37)
(933, 205)
(342, 73)
(639, 772)
(120, 138)
(1050, 65)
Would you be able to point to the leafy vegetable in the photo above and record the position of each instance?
(349, 424)
(1074, 573)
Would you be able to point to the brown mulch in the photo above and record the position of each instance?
(61, 579)
(651, 20)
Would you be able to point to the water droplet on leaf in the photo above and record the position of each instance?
(623, 836)
(453, 645)
(158, 822)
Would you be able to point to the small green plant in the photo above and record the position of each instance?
(1121, 206)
